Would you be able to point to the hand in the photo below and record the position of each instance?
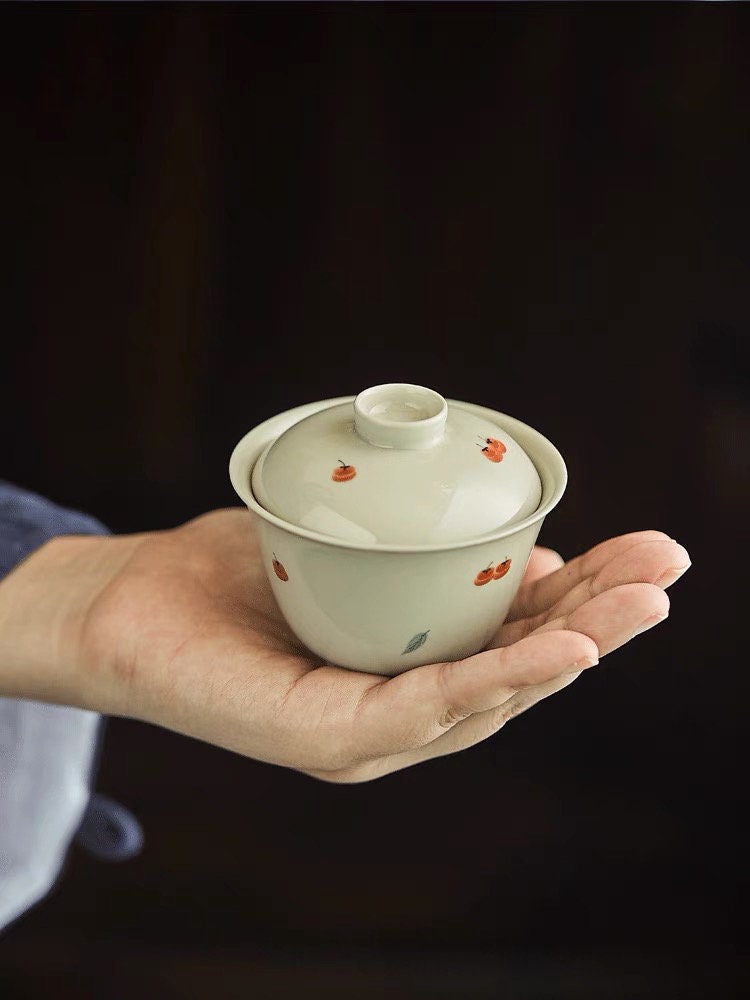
(180, 628)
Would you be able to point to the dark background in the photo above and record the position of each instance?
(213, 213)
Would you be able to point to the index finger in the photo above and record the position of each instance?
(542, 593)
(542, 562)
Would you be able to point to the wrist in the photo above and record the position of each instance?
(46, 603)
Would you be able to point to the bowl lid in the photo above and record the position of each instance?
(398, 465)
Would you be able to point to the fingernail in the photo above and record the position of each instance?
(585, 663)
(649, 623)
(671, 576)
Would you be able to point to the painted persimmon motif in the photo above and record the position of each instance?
(492, 449)
(416, 641)
(484, 576)
(343, 473)
(495, 571)
(501, 569)
(279, 570)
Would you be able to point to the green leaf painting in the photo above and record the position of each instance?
(418, 640)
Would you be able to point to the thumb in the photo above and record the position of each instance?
(413, 709)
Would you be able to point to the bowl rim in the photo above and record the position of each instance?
(544, 455)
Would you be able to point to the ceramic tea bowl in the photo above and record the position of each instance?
(395, 526)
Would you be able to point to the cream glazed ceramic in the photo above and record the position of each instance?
(387, 606)
(414, 471)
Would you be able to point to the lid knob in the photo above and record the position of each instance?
(399, 415)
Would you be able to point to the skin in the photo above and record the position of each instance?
(180, 628)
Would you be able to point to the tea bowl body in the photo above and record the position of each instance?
(387, 609)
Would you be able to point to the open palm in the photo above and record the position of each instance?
(189, 633)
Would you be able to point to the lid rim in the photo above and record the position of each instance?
(553, 476)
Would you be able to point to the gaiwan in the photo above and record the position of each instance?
(395, 526)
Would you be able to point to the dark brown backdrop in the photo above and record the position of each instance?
(215, 212)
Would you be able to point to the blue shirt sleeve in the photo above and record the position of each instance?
(27, 521)
(48, 753)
